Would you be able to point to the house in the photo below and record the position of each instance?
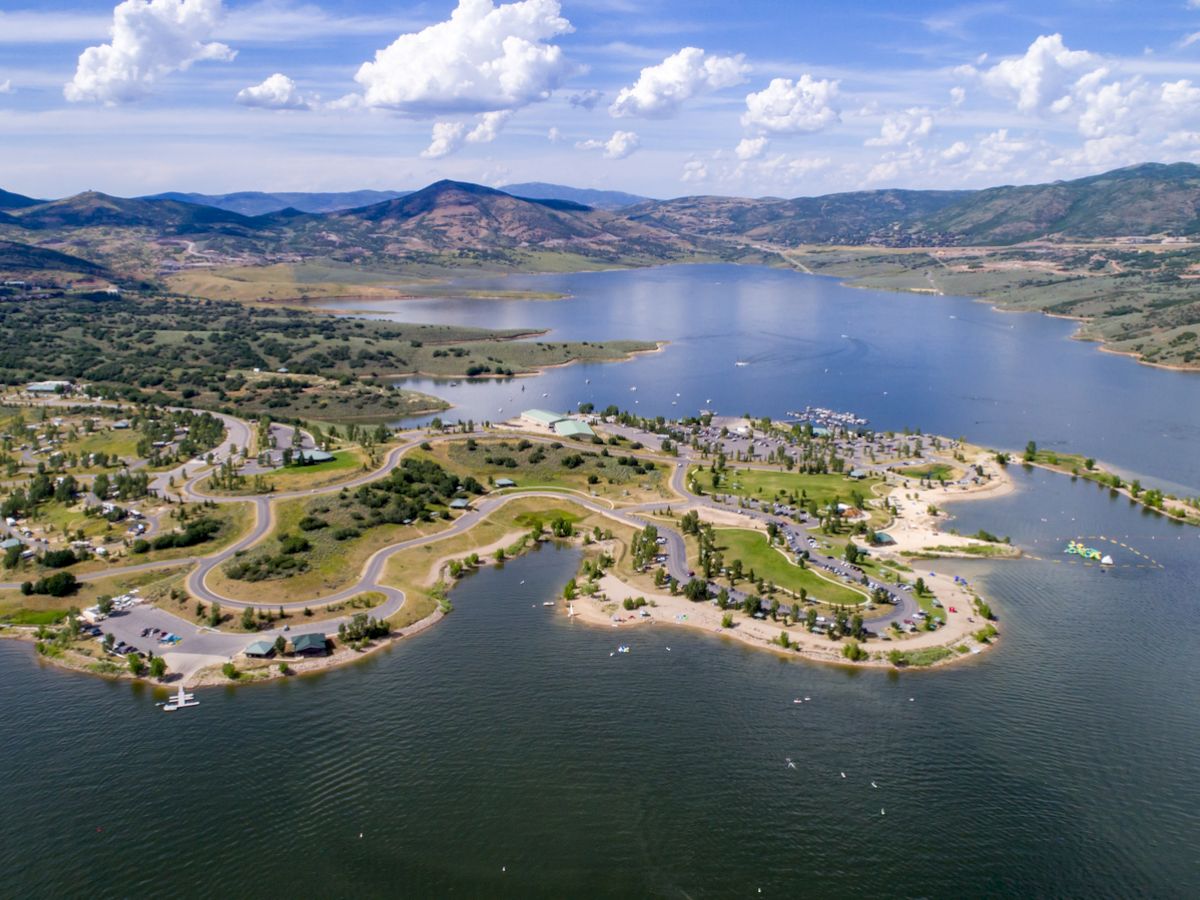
(460, 503)
(857, 474)
(540, 418)
(260, 649)
(120, 424)
(309, 644)
(9, 544)
(573, 429)
(505, 483)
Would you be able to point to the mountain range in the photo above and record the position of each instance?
(449, 221)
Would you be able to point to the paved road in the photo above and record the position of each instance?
(202, 642)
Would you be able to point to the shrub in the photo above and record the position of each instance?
(229, 670)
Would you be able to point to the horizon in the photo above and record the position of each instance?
(506, 188)
(657, 98)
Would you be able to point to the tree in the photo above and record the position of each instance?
(695, 590)
(727, 620)
(280, 645)
(1030, 452)
(229, 670)
(248, 619)
(851, 553)
(136, 666)
(214, 615)
(158, 667)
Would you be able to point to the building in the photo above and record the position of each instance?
(260, 649)
(309, 644)
(540, 418)
(47, 387)
(857, 474)
(313, 456)
(572, 429)
(505, 483)
(460, 503)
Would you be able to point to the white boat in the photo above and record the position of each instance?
(740, 363)
(1106, 561)
(180, 700)
(547, 603)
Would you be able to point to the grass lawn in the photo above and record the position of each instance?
(543, 465)
(152, 584)
(930, 472)
(753, 549)
(344, 466)
(926, 657)
(762, 484)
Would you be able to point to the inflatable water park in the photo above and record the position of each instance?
(1090, 553)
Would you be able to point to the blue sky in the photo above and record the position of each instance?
(660, 97)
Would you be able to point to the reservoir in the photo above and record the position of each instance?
(508, 753)
(944, 364)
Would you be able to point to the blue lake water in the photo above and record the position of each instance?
(506, 753)
(945, 364)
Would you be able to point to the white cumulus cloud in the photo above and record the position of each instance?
(489, 126)
(1042, 78)
(694, 170)
(903, 128)
(150, 40)
(276, 92)
(6, 86)
(483, 58)
(660, 90)
(786, 106)
(447, 137)
(619, 146)
(751, 148)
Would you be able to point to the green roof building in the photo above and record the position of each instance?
(571, 428)
(541, 417)
(260, 648)
(309, 644)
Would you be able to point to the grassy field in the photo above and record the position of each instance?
(151, 584)
(542, 465)
(753, 549)
(763, 484)
(345, 465)
(332, 565)
(930, 472)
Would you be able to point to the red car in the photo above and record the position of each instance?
(952, 609)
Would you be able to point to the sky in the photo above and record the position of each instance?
(657, 97)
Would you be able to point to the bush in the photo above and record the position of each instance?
(58, 559)
(293, 543)
(60, 584)
(141, 545)
(346, 534)
(312, 523)
(854, 652)
(229, 670)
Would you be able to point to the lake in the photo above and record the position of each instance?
(508, 752)
(944, 364)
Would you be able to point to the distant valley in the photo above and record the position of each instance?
(1115, 250)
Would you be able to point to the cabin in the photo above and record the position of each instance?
(260, 649)
(309, 645)
(461, 503)
(505, 483)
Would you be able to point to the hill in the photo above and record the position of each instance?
(257, 203)
(597, 199)
(95, 209)
(17, 258)
(10, 201)
(458, 216)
